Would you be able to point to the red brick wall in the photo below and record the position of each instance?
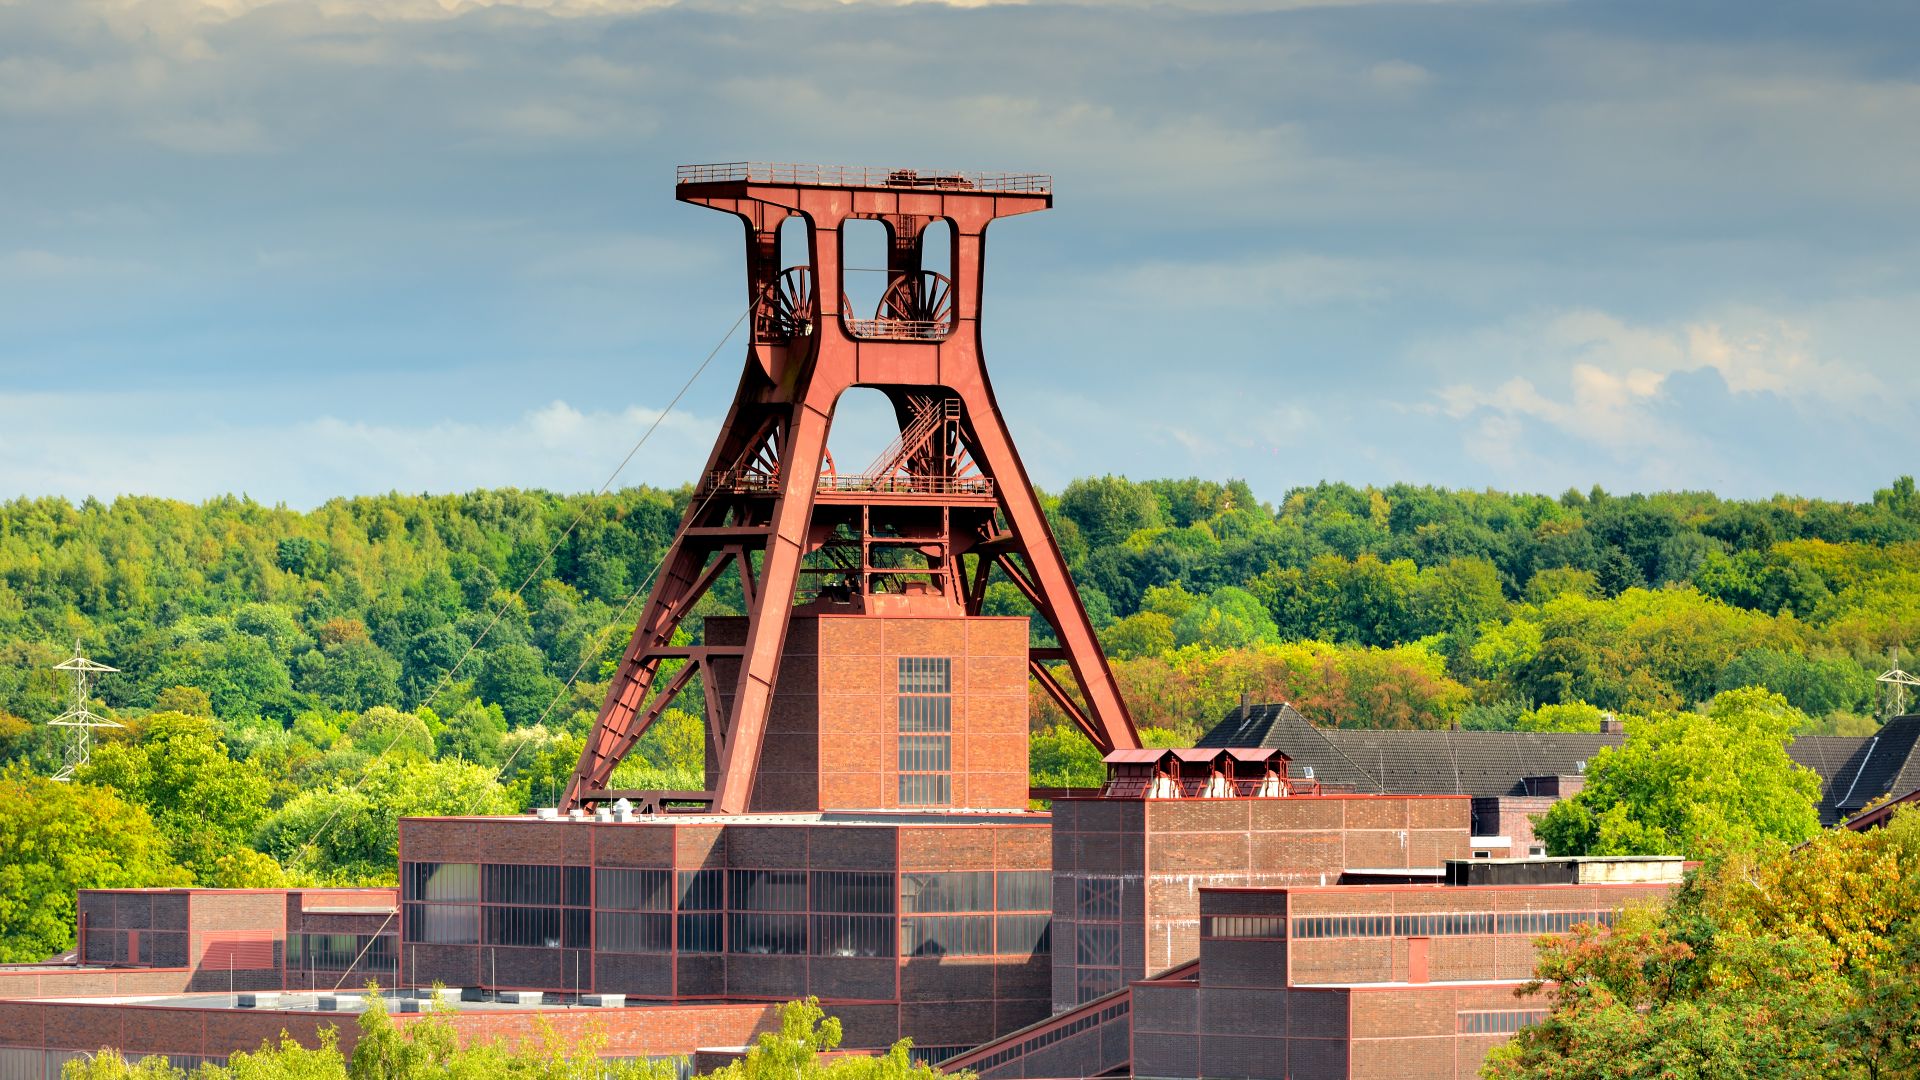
(144, 1029)
(832, 726)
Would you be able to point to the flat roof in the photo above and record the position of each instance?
(872, 818)
(307, 1001)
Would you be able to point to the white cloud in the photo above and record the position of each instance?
(305, 462)
(1591, 383)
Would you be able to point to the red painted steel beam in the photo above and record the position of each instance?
(763, 488)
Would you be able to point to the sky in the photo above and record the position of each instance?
(300, 249)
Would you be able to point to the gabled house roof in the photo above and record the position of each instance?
(1853, 771)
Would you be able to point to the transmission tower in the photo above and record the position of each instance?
(80, 720)
(1897, 683)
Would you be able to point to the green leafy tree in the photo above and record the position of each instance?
(348, 833)
(1692, 784)
(1771, 963)
(56, 839)
(515, 678)
(204, 802)
(797, 1052)
(1109, 509)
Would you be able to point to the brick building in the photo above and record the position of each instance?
(1338, 982)
(909, 923)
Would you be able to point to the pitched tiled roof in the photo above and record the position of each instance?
(1853, 771)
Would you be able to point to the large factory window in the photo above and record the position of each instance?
(628, 932)
(702, 895)
(1096, 945)
(700, 932)
(537, 927)
(1025, 935)
(521, 884)
(757, 932)
(853, 893)
(767, 890)
(702, 890)
(635, 890)
(968, 890)
(853, 935)
(340, 952)
(1026, 890)
(947, 935)
(443, 924)
(443, 882)
(926, 730)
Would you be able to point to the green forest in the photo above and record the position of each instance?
(289, 682)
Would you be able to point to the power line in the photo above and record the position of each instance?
(501, 608)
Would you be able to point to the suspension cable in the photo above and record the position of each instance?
(501, 608)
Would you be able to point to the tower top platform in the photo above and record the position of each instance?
(860, 176)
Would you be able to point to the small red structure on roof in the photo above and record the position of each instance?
(1187, 772)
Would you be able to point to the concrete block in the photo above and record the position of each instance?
(518, 997)
(603, 1001)
(257, 1001)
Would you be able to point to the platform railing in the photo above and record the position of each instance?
(740, 483)
(770, 172)
(899, 329)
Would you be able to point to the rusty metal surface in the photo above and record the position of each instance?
(948, 505)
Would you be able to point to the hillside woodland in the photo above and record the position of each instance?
(289, 681)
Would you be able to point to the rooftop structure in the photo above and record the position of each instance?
(1360, 982)
(1538, 765)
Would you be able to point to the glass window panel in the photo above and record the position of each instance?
(578, 880)
(1024, 935)
(700, 932)
(926, 675)
(634, 890)
(947, 935)
(1099, 898)
(753, 932)
(853, 893)
(768, 890)
(443, 924)
(1099, 945)
(853, 935)
(1025, 890)
(968, 890)
(511, 884)
(702, 890)
(532, 927)
(628, 932)
(444, 882)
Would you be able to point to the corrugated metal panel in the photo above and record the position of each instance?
(249, 950)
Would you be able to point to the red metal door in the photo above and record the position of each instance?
(1417, 960)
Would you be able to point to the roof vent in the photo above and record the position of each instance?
(1580, 767)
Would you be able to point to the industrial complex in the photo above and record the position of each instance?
(1283, 900)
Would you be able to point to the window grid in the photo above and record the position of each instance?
(1244, 927)
(1502, 1022)
(1095, 946)
(338, 952)
(925, 730)
(505, 904)
(1453, 924)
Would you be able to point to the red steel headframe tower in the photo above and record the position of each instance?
(923, 527)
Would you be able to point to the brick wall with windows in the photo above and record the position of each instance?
(930, 927)
(1151, 857)
(872, 712)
